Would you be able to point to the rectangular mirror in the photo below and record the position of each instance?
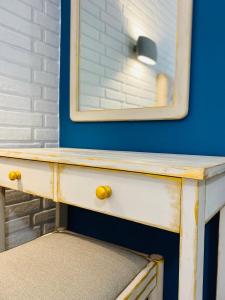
(129, 59)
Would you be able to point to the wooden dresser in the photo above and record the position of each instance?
(178, 193)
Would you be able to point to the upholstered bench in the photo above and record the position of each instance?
(65, 266)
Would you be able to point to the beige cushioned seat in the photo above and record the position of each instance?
(62, 266)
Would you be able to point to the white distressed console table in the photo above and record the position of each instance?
(178, 193)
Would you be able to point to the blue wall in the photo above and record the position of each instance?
(201, 132)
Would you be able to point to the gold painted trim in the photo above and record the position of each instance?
(176, 179)
(198, 173)
(198, 185)
(19, 184)
(146, 286)
(156, 258)
(141, 281)
(170, 229)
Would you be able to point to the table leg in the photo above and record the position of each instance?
(157, 293)
(61, 216)
(192, 240)
(2, 219)
(220, 295)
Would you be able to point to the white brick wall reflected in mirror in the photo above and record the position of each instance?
(111, 77)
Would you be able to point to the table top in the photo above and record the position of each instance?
(185, 166)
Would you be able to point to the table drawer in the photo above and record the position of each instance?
(147, 199)
(36, 177)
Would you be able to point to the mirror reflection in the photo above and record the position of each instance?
(127, 53)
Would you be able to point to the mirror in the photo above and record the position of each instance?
(129, 59)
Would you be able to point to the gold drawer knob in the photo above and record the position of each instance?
(14, 175)
(103, 192)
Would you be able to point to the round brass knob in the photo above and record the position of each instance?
(103, 192)
(14, 175)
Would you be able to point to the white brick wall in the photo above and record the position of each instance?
(29, 72)
(26, 217)
(29, 92)
(110, 75)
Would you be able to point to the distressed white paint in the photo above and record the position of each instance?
(151, 200)
(220, 295)
(177, 108)
(192, 240)
(185, 166)
(202, 193)
(215, 195)
(36, 177)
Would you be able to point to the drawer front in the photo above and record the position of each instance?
(36, 177)
(147, 199)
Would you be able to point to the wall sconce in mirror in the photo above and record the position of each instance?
(108, 82)
(146, 50)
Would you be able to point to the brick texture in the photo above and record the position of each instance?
(29, 93)
(110, 74)
(26, 217)
(29, 72)
(17, 238)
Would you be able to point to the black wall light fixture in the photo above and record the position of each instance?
(146, 50)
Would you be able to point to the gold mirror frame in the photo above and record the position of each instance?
(178, 109)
